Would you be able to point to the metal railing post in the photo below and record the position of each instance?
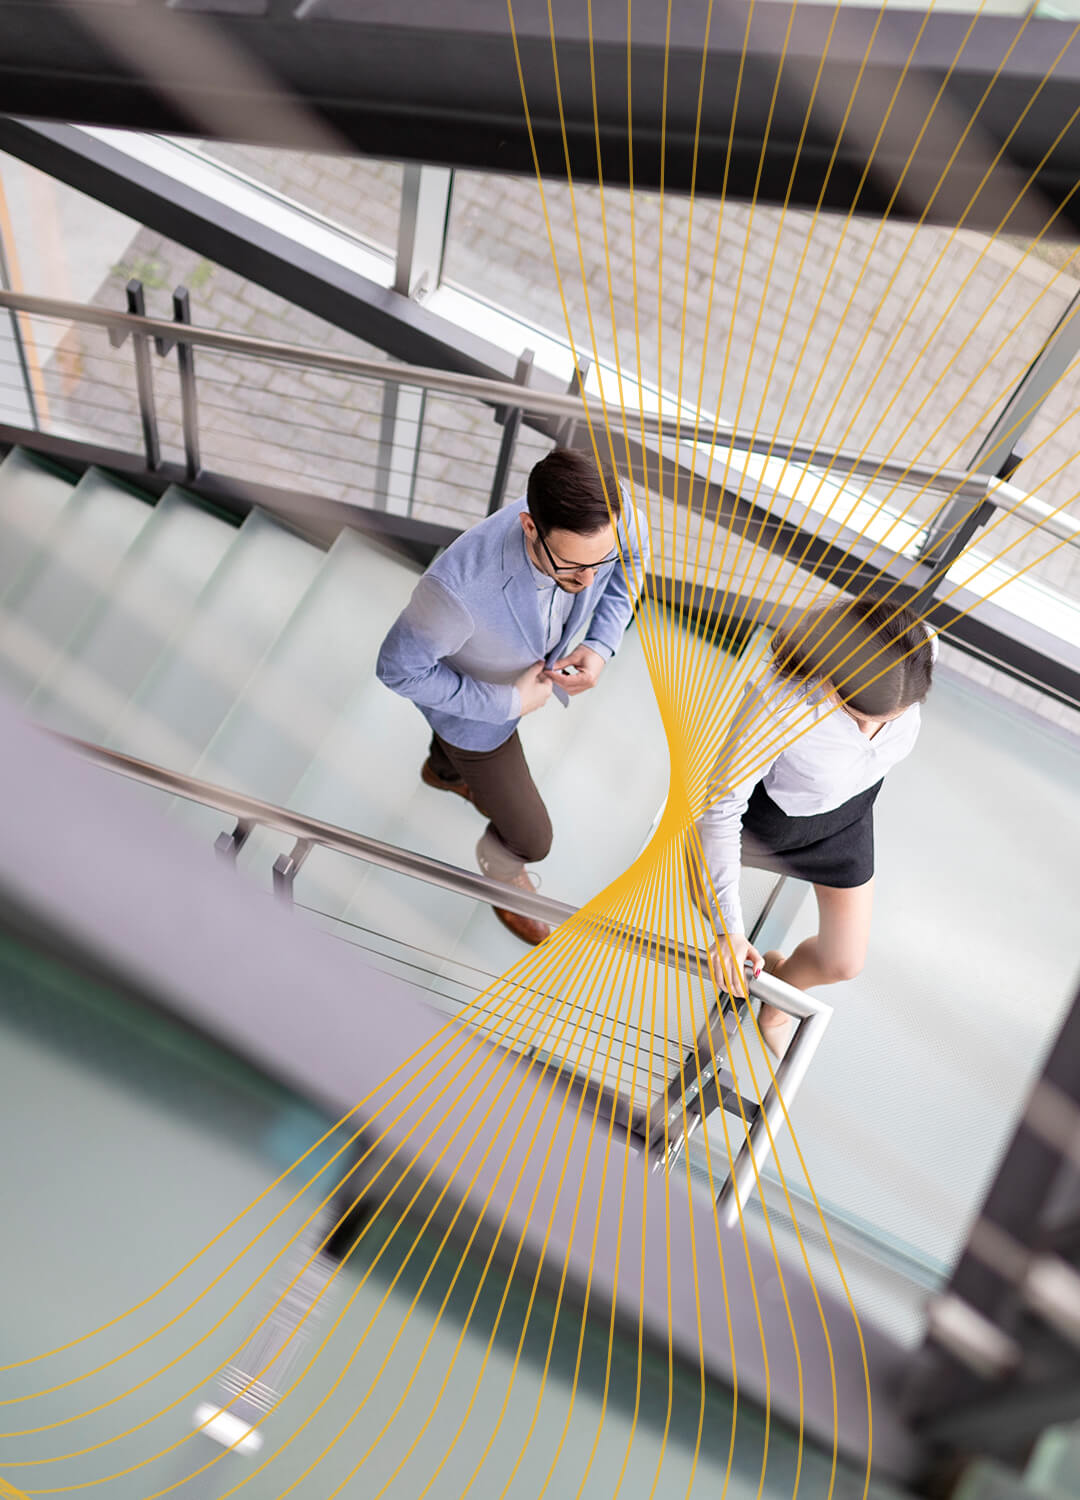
(422, 228)
(813, 1017)
(189, 405)
(567, 430)
(20, 343)
(144, 374)
(510, 417)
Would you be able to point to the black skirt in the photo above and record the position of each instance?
(834, 848)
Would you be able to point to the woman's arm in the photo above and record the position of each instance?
(753, 744)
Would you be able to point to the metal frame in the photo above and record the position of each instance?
(562, 406)
(765, 1121)
(426, 82)
(1001, 1360)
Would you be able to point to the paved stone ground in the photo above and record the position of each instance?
(289, 427)
(883, 337)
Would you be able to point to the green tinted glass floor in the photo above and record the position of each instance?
(131, 1144)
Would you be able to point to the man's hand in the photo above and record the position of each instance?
(727, 960)
(534, 688)
(588, 663)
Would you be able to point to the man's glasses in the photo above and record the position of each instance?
(556, 567)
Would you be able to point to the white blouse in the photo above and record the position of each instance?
(810, 755)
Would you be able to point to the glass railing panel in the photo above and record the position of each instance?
(933, 1047)
(360, 194)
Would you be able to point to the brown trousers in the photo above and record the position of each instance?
(503, 790)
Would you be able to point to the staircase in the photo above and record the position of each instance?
(244, 656)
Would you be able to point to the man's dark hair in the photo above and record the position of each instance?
(567, 492)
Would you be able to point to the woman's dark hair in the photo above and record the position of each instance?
(876, 655)
(567, 492)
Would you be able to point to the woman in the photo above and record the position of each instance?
(794, 785)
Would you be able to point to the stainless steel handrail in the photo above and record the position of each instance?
(1065, 527)
(812, 1015)
(389, 856)
(493, 392)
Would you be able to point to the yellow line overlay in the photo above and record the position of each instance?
(466, 1156)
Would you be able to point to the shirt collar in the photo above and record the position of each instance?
(540, 579)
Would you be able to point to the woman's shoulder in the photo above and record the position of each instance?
(777, 693)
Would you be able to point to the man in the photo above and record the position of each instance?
(488, 636)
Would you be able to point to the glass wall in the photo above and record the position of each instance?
(360, 194)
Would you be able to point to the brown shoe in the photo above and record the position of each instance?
(430, 777)
(529, 929)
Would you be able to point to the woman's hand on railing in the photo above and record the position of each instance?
(730, 962)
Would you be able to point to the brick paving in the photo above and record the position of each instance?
(892, 338)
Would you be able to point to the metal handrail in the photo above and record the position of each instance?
(479, 887)
(811, 1015)
(503, 393)
(1065, 527)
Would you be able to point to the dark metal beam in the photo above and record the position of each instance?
(418, 80)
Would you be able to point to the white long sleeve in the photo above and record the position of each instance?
(765, 717)
(810, 756)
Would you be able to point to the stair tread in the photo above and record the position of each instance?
(290, 709)
(123, 633)
(31, 499)
(193, 684)
(1054, 1466)
(72, 569)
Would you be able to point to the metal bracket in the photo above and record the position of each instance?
(228, 845)
(711, 1096)
(287, 867)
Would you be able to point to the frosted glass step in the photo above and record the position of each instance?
(327, 650)
(121, 637)
(1054, 1466)
(31, 499)
(369, 759)
(71, 572)
(197, 679)
(353, 775)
